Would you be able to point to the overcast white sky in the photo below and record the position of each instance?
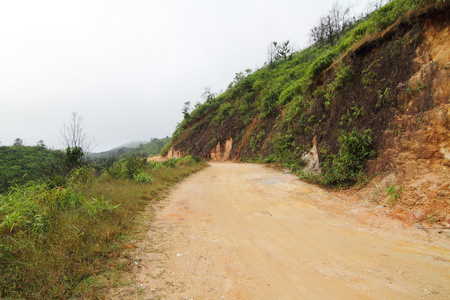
(127, 67)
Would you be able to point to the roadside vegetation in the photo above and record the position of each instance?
(274, 113)
(64, 237)
(20, 164)
(64, 220)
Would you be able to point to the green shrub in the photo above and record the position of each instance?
(127, 167)
(383, 98)
(57, 181)
(21, 164)
(393, 193)
(286, 153)
(344, 168)
(352, 114)
(343, 76)
(268, 100)
(244, 102)
(82, 174)
(192, 159)
(74, 156)
(295, 108)
(258, 85)
(288, 93)
(155, 165)
(224, 112)
(142, 177)
(171, 163)
(384, 16)
(360, 31)
(321, 64)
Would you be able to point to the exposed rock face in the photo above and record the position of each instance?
(172, 153)
(416, 147)
(312, 158)
(423, 141)
(222, 152)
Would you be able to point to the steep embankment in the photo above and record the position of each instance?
(376, 103)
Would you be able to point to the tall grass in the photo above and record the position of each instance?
(62, 242)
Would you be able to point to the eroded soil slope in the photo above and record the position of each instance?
(243, 231)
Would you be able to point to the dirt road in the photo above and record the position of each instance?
(244, 231)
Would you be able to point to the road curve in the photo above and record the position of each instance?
(245, 231)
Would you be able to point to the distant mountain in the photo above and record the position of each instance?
(131, 145)
(136, 148)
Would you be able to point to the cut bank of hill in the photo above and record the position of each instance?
(374, 105)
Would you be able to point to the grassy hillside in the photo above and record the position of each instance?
(343, 95)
